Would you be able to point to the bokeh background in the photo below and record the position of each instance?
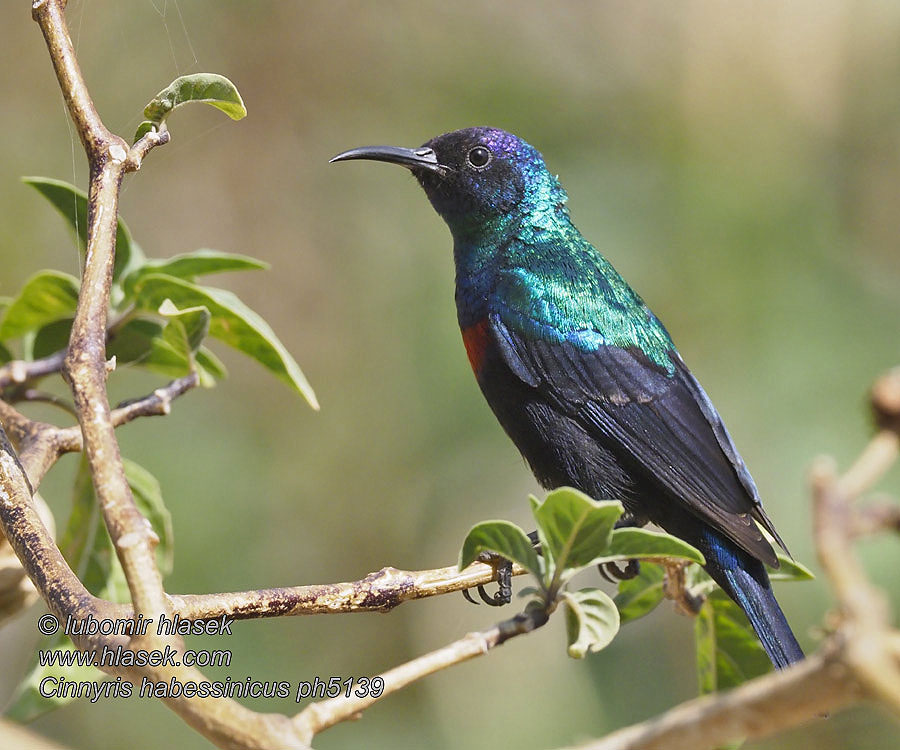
(738, 162)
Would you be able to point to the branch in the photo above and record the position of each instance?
(85, 364)
(320, 716)
(94, 135)
(41, 444)
(377, 592)
(34, 545)
(759, 708)
(19, 371)
(864, 609)
(223, 721)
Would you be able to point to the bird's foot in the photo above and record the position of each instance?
(502, 576)
(613, 573)
(631, 520)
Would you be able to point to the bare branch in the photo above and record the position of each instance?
(223, 721)
(33, 395)
(864, 609)
(93, 133)
(41, 444)
(140, 149)
(19, 371)
(34, 545)
(85, 370)
(759, 708)
(878, 516)
(675, 588)
(320, 716)
(377, 592)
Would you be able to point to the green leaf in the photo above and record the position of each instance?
(86, 545)
(502, 538)
(168, 350)
(698, 582)
(47, 296)
(131, 342)
(186, 328)
(592, 621)
(72, 204)
(790, 570)
(149, 500)
(728, 651)
(28, 703)
(577, 528)
(232, 322)
(209, 367)
(705, 639)
(546, 550)
(640, 595)
(190, 265)
(52, 338)
(142, 130)
(5, 354)
(643, 544)
(209, 88)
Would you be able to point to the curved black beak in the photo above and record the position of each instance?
(411, 158)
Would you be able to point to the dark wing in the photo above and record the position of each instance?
(664, 422)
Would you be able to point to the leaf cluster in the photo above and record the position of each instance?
(576, 532)
(161, 315)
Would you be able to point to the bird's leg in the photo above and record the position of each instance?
(611, 571)
(502, 575)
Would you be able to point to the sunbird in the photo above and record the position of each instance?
(582, 376)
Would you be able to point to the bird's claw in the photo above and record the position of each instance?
(502, 575)
(614, 574)
(468, 597)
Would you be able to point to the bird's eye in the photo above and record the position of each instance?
(479, 156)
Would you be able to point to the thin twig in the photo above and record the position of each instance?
(33, 395)
(41, 444)
(318, 717)
(19, 371)
(93, 133)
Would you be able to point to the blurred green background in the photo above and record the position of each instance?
(738, 162)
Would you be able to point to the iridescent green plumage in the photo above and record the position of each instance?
(525, 259)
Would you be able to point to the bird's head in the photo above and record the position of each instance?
(476, 178)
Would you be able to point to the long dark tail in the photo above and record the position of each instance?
(745, 580)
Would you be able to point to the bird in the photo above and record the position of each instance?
(581, 374)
